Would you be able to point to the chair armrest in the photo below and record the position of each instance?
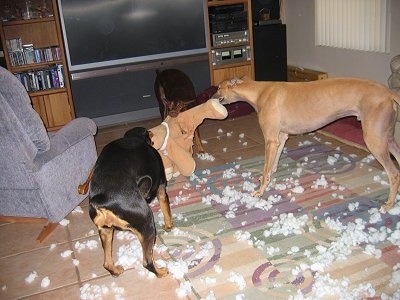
(69, 135)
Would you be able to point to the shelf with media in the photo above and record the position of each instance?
(34, 52)
(36, 68)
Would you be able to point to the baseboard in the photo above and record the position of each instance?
(131, 116)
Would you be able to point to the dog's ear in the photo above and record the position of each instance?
(144, 184)
(137, 136)
(151, 134)
(136, 132)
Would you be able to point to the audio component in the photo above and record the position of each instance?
(231, 55)
(230, 38)
(227, 18)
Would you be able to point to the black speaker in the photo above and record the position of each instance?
(270, 57)
(264, 11)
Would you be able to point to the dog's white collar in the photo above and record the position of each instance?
(164, 144)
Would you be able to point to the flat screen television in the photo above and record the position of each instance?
(102, 33)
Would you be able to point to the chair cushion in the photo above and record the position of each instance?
(19, 101)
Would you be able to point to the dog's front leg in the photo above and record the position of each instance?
(162, 197)
(271, 150)
(282, 140)
(197, 141)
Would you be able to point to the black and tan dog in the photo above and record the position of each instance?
(175, 93)
(127, 176)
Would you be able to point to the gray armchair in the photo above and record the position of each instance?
(39, 172)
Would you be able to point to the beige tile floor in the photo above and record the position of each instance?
(20, 253)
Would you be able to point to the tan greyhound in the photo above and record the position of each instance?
(285, 108)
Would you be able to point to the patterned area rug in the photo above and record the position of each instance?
(316, 233)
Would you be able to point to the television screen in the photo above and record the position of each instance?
(101, 33)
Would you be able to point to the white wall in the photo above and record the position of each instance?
(301, 51)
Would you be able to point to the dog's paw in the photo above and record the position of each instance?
(168, 228)
(115, 271)
(257, 194)
(385, 208)
(162, 272)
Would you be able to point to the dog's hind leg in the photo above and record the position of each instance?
(163, 198)
(394, 149)
(106, 221)
(147, 237)
(106, 236)
(379, 142)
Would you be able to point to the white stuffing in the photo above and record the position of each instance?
(205, 156)
(229, 173)
(208, 280)
(64, 222)
(238, 279)
(371, 250)
(298, 189)
(31, 277)
(66, 253)
(286, 224)
(368, 159)
(75, 262)
(320, 182)
(184, 289)
(90, 244)
(130, 254)
(217, 269)
(178, 232)
(78, 210)
(178, 268)
(94, 291)
(210, 296)
(293, 250)
(304, 143)
(180, 198)
(325, 286)
(395, 278)
(375, 216)
(243, 236)
(272, 250)
(45, 282)
(333, 159)
(353, 206)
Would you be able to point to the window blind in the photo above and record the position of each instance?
(353, 24)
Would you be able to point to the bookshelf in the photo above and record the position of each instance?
(233, 42)
(34, 52)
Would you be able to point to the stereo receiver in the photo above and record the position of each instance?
(230, 38)
(231, 55)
